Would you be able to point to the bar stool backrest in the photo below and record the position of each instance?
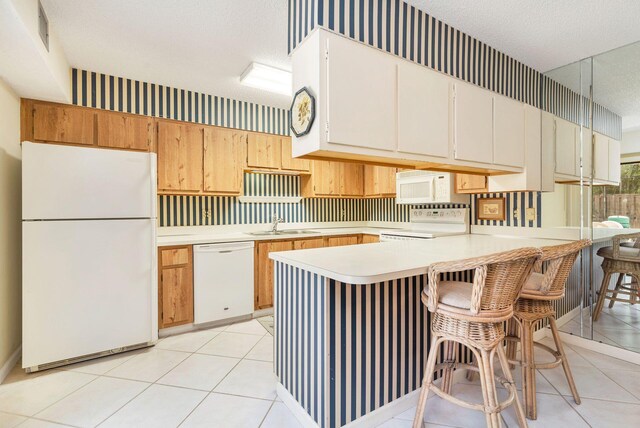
(559, 260)
(497, 282)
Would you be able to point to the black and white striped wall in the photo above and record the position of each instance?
(403, 30)
(516, 204)
(344, 350)
(97, 90)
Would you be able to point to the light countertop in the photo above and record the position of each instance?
(370, 263)
(213, 237)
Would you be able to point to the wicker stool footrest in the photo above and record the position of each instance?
(509, 386)
(548, 365)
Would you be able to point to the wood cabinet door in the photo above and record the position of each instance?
(289, 162)
(370, 239)
(468, 183)
(351, 179)
(326, 178)
(338, 241)
(473, 123)
(175, 291)
(508, 135)
(264, 151)
(264, 271)
(304, 244)
(56, 124)
(180, 157)
(379, 180)
(224, 160)
(123, 131)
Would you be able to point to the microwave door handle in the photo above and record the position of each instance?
(433, 190)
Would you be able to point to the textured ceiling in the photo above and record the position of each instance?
(201, 45)
(544, 34)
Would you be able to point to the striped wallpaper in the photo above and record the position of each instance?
(519, 201)
(91, 89)
(344, 350)
(403, 30)
(189, 210)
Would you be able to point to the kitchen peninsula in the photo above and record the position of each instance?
(351, 334)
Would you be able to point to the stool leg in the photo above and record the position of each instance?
(512, 346)
(427, 380)
(565, 362)
(603, 291)
(634, 290)
(615, 290)
(489, 392)
(504, 363)
(450, 357)
(471, 375)
(528, 369)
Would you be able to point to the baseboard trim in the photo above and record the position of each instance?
(10, 364)
(602, 348)
(370, 420)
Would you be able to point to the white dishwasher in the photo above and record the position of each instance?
(223, 281)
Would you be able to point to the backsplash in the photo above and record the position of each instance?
(515, 203)
(193, 210)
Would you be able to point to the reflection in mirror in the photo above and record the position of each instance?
(616, 199)
(568, 207)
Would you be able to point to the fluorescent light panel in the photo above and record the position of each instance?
(267, 78)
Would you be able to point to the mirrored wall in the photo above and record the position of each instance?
(604, 203)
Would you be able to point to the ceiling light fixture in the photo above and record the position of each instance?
(268, 78)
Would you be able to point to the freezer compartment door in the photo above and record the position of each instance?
(65, 182)
(88, 286)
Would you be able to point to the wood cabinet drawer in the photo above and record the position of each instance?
(175, 256)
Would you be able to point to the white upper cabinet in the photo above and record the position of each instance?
(508, 134)
(614, 161)
(361, 95)
(586, 154)
(473, 123)
(548, 137)
(423, 111)
(565, 142)
(601, 157)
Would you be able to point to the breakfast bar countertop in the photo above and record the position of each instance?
(371, 263)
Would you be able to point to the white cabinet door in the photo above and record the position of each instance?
(614, 161)
(423, 111)
(601, 157)
(565, 147)
(473, 123)
(584, 151)
(508, 133)
(361, 95)
(548, 152)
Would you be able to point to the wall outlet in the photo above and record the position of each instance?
(516, 213)
(531, 214)
(206, 213)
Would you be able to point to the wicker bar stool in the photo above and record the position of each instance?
(535, 304)
(473, 315)
(623, 258)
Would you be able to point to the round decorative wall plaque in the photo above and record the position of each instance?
(303, 112)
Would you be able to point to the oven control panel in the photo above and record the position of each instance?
(442, 215)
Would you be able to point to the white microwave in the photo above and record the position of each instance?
(427, 187)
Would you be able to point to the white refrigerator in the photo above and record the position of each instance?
(89, 274)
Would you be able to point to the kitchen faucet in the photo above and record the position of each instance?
(275, 220)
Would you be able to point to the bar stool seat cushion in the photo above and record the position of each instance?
(626, 253)
(455, 293)
(534, 283)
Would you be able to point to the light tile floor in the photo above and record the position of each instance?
(223, 377)
(618, 326)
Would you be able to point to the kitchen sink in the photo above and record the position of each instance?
(281, 232)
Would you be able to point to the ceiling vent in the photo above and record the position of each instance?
(43, 26)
